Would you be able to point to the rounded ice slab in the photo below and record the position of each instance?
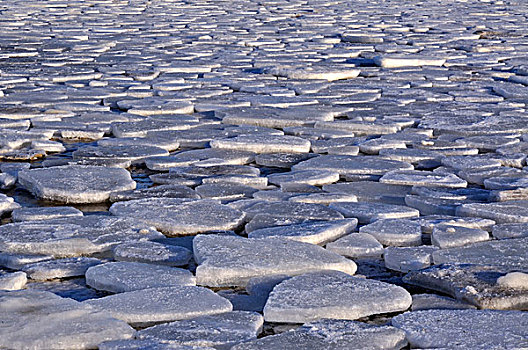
(43, 213)
(423, 178)
(315, 232)
(156, 305)
(181, 217)
(42, 320)
(117, 277)
(464, 329)
(332, 334)
(264, 144)
(367, 212)
(328, 73)
(395, 232)
(332, 294)
(220, 331)
(136, 154)
(76, 183)
(348, 165)
(135, 344)
(153, 253)
(309, 177)
(232, 261)
(74, 236)
(408, 61)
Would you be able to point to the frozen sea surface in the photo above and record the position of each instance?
(304, 174)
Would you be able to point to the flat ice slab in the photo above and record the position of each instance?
(221, 331)
(43, 320)
(332, 294)
(156, 305)
(76, 183)
(117, 277)
(73, 236)
(232, 261)
(464, 329)
(331, 334)
(177, 217)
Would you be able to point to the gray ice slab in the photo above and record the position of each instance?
(356, 245)
(477, 176)
(208, 157)
(424, 157)
(75, 236)
(43, 320)
(142, 127)
(323, 198)
(510, 254)
(361, 128)
(215, 171)
(478, 285)
(371, 191)
(263, 144)
(477, 162)
(44, 213)
(395, 232)
(224, 191)
(422, 178)
(315, 73)
(505, 231)
(135, 344)
(150, 140)
(232, 261)
(136, 154)
(124, 276)
(263, 220)
(502, 212)
(331, 334)
(429, 222)
(309, 177)
(315, 232)
(160, 107)
(281, 160)
(180, 216)
(473, 194)
(408, 61)
(332, 294)
(463, 329)
(248, 180)
(334, 145)
(152, 253)
(434, 205)
(16, 261)
(405, 259)
(60, 268)
(163, 191)
(434, 301)
(373, 146)
(163, 304)
(308, 211)
(367, 212)
(277, 117)
(220, 331)
(446, 236)
(76, 183)
(347, 165)
(48, 146)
